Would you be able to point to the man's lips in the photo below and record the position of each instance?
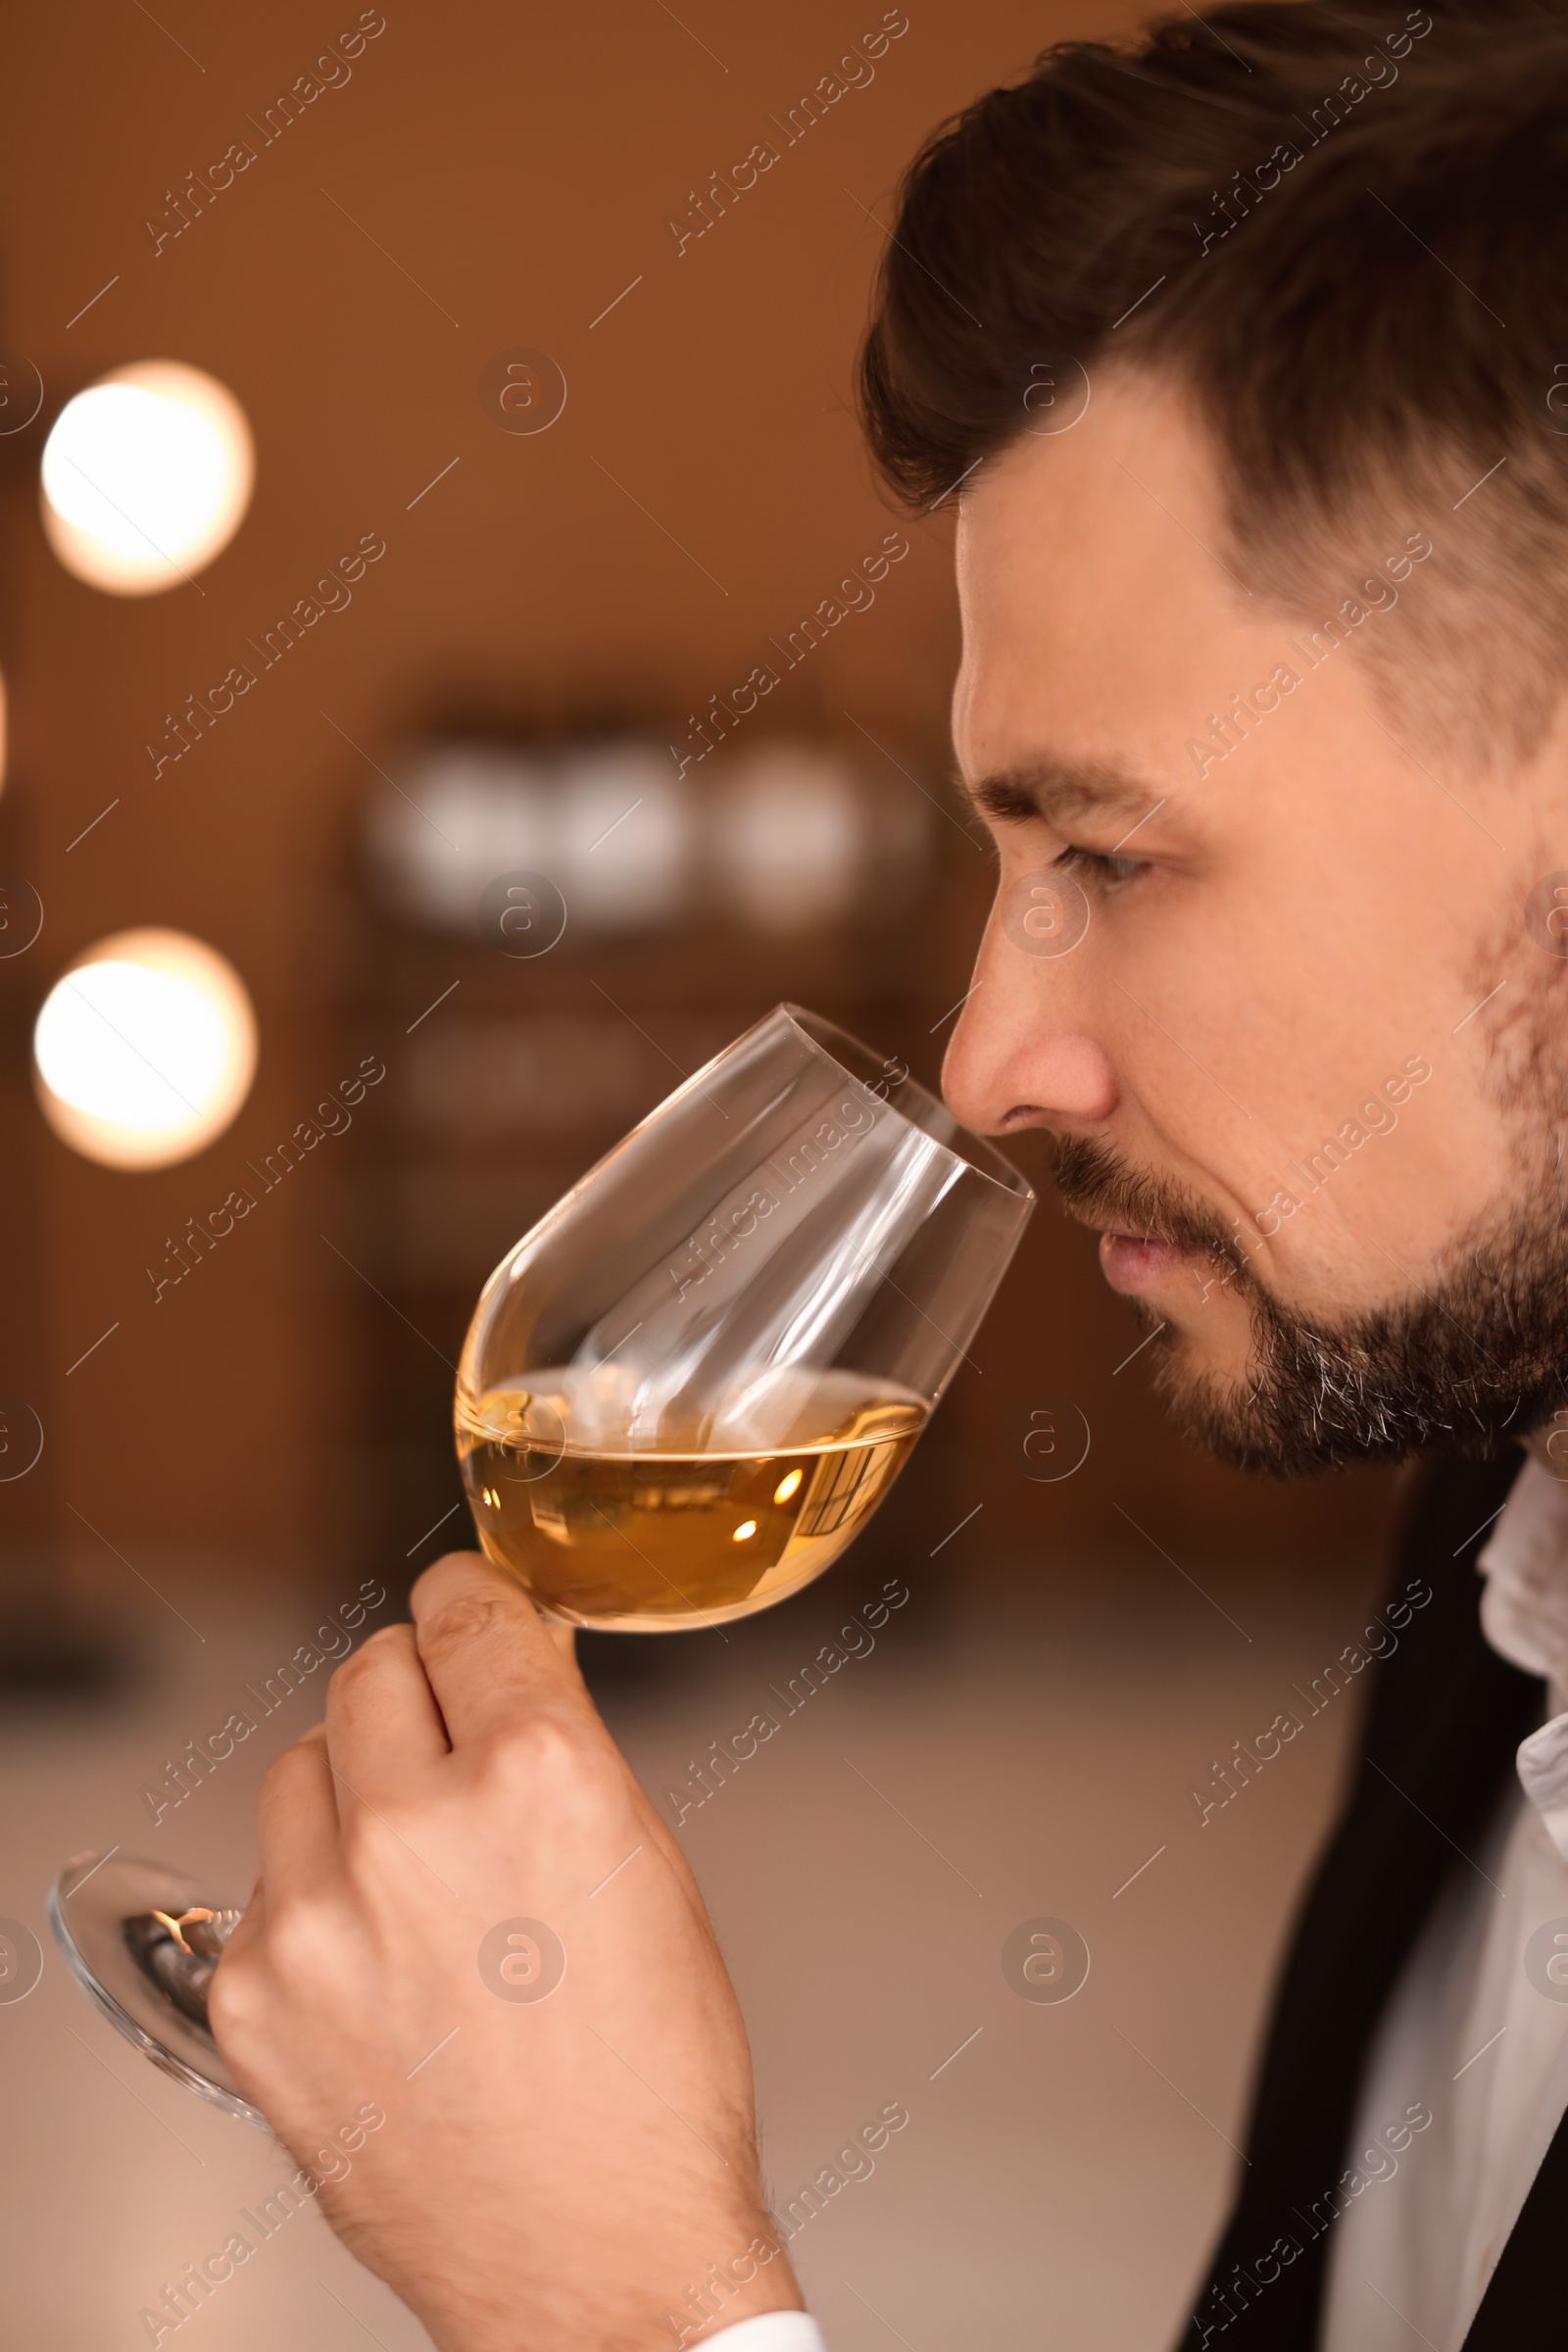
(1133, 1263)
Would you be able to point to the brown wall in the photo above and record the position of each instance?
(512, 170)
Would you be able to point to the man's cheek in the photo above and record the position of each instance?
(1269, 1220)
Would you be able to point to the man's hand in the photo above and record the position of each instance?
(560, 2161)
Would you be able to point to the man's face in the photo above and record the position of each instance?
(1318, 1160)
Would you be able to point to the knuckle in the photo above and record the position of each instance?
(299, 1940)
(278, 1778)
(537, 1752)
(366, 1660)
(385, 1636)
(465, 1617)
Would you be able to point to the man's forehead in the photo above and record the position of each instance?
(1139, 465)
(1103, 625)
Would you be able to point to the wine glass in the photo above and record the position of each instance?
(681, 1396)
(684, 1393)
(142, 1943)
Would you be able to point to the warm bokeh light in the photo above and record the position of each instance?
(604, 818)
(789, 838)
(146, 476)
(144, 1050)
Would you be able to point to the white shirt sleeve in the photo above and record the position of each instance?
(774, 2331)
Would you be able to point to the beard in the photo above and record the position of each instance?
(1475, 1355)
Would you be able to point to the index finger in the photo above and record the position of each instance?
(490, 1657)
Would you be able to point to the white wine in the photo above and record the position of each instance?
(693, 1529)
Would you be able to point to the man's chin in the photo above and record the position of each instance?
(1222, 1417)
(1291, 1400)
(1205, 1361)
(1211, 1395)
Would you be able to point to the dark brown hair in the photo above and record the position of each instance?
(1343, 225)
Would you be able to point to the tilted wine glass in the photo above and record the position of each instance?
(686, 1389)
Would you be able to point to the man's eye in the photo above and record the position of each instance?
(1103, 866)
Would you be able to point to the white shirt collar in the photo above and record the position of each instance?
(1524, 1616)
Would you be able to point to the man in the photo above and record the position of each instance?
(1243, 354)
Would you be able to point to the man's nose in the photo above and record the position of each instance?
(1022, 1054)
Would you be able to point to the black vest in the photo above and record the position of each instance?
(1445, 1716)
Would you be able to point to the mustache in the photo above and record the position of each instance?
(1100, 1188)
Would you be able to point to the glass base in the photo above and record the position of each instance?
(142, 1943)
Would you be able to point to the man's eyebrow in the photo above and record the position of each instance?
(1061, 792)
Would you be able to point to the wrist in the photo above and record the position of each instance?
(659, 2299)
(753, 2282)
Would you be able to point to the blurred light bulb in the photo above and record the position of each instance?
(144, 1050)
(146, 476)
(789, 838)
(602, 820)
